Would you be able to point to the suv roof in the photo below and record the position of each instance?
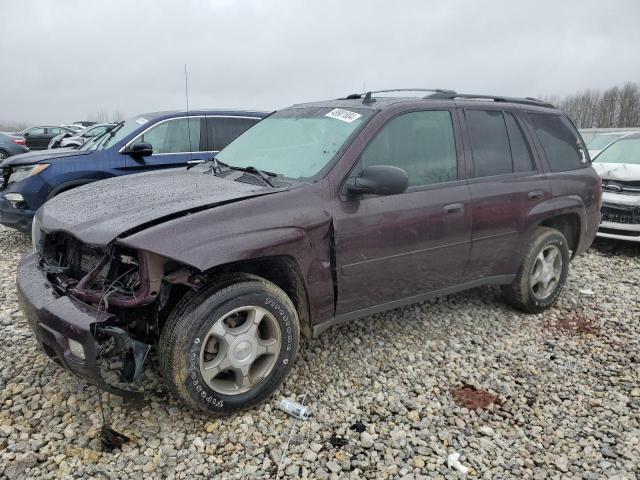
(370, 100)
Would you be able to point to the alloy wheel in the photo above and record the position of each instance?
(240, 350)
(546, 272)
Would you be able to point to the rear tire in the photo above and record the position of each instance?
(542, 274)
(229, 346)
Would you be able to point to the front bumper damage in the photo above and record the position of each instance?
(56, 319)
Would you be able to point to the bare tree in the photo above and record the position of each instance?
(117, 115)
(616, 107)
(629, 108)
(103, 116)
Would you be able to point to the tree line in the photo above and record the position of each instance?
(615, 107)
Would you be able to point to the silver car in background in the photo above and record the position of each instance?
(619, 167)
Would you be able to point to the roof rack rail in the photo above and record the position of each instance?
(445, 94)
(522, 101)
(368, 95)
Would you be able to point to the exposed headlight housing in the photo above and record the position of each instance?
(36, 235)
(76, 348)
(20, 173)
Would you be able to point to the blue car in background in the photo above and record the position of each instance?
(11, 145)
(142, 143)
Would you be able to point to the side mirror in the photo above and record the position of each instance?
(140, 149)
(378, 180)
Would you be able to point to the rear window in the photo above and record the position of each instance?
(560, 140)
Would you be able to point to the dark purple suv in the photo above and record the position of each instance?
(321, 213)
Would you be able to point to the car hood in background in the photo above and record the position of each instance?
(41, 156)
(99, 212)
(625, 172)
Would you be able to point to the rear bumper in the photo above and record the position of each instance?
(56, 319)
(17, 218)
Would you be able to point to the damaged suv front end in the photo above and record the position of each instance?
(93, 302)
(82, 312)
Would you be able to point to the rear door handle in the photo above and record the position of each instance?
(536, 195)
(453, 208)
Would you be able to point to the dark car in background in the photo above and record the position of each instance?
(151, 141)
(322, 213)
(11, 145)
(68, 140)
(38, 138)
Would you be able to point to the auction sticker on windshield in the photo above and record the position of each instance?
(142, 120)
(344, 115)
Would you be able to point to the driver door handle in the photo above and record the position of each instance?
(536, 195)
(195, 162)
(453, 208)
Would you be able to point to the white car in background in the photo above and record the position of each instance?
(74, 127)
(602, 140)
(619, 167)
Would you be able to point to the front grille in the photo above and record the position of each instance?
(623, 187)
(629, 215)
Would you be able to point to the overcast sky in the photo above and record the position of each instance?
(64, 59)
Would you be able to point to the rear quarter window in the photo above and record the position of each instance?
(561, 142)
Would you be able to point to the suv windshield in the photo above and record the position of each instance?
(297, 142)
(626, 150)
(114, 136)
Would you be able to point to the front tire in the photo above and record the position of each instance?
(229, 346)
(542, 274)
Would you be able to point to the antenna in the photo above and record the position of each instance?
(186, 98)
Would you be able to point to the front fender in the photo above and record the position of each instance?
(206, 253)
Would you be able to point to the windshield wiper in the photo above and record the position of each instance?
(262, 174)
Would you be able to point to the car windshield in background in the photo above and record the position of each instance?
(118, 133)
(600, 141)
(296, 143)
(626, 150)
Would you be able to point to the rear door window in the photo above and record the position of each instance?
(561, 142)
(497, 143)
(520, 153)
(421, 143)
(180, 135)
(224, 130)
(489, 143)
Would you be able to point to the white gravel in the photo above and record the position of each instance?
(569, 402)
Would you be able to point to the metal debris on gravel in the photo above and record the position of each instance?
(570, 404)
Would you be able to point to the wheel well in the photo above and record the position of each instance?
(567, 224)
(282, 271)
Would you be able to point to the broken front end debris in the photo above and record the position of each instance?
(93, 308)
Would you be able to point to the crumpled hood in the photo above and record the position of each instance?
(99, 212)
(618, 171)
(43, 155)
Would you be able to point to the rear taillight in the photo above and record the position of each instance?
(19, 141)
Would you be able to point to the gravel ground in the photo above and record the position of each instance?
(567, 386)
